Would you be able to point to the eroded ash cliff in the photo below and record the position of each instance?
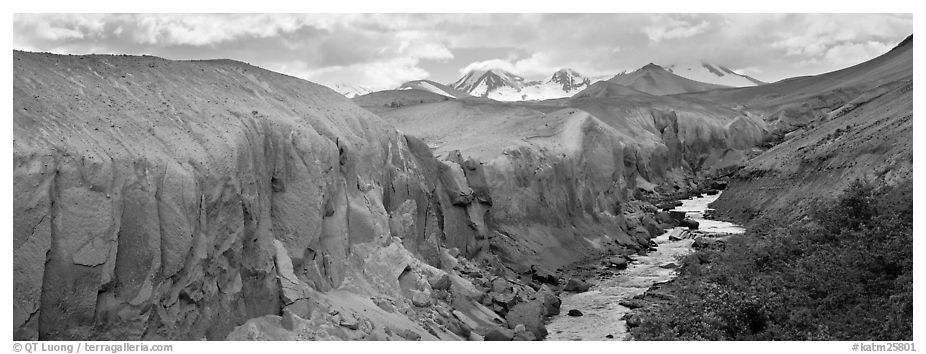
(159, 199)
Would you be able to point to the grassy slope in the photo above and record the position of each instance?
(847, 275)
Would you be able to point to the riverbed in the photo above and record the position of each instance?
(601, 311)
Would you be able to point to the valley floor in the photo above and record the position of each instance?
(605, 304)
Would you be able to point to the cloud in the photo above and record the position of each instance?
(378, 75)
(503, 64)
(59, 27)
(674, 27)
(379, 50)
(383, 50)
(853, 53)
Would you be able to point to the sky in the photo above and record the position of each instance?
(381, 51)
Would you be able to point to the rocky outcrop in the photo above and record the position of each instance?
(561, 179)
(158, 199)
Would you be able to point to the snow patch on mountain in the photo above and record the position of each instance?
(712, 73)
(351, 91)
(433, 87)
(501, 85)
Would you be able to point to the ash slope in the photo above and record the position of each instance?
(159, 199)
(855, 123)
(561, 173)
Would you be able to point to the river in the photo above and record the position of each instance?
(602, 313)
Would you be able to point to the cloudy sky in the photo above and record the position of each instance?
(382, 51)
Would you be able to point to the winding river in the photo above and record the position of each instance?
(602, 313)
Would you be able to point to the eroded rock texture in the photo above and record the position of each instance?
(561, 174)
(156, 199)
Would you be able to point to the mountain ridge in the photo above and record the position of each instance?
(656, 80)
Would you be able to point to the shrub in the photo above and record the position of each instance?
(846, 275)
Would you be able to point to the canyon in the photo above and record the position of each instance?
(185, 200)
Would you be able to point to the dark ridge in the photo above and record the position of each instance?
(906, 42)
(652, 66)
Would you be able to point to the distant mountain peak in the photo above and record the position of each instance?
(652, 66)
(569, 80)
(482, 81)
(567, 71)
(657, 80)
(502, 85)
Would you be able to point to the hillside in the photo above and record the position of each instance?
(857, 123)
(380, 101)
(792, 103)
(159, 199)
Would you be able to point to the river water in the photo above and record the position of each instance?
(602, 313)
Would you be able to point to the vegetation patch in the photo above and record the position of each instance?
(844, 274)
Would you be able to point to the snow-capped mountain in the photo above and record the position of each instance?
(483, 82)
(351, 91)
(569, 80)
(501, 85)
(713, 74)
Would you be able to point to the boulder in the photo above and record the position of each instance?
(574, 313)
(678, 234)
(551, 302)
(632, 303)
(577, 286)
(499, 334)
(500, 284)
(618, 262)
(711, 192)
(506, 300)
(440, 282)
(303, 307)
(690, 224)
(530, 314)
(719, 185)
(522, 334)
(665, 217)
(542, 275)
(678, 216)
(349, 321)
(421, 299)
(669, 205)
